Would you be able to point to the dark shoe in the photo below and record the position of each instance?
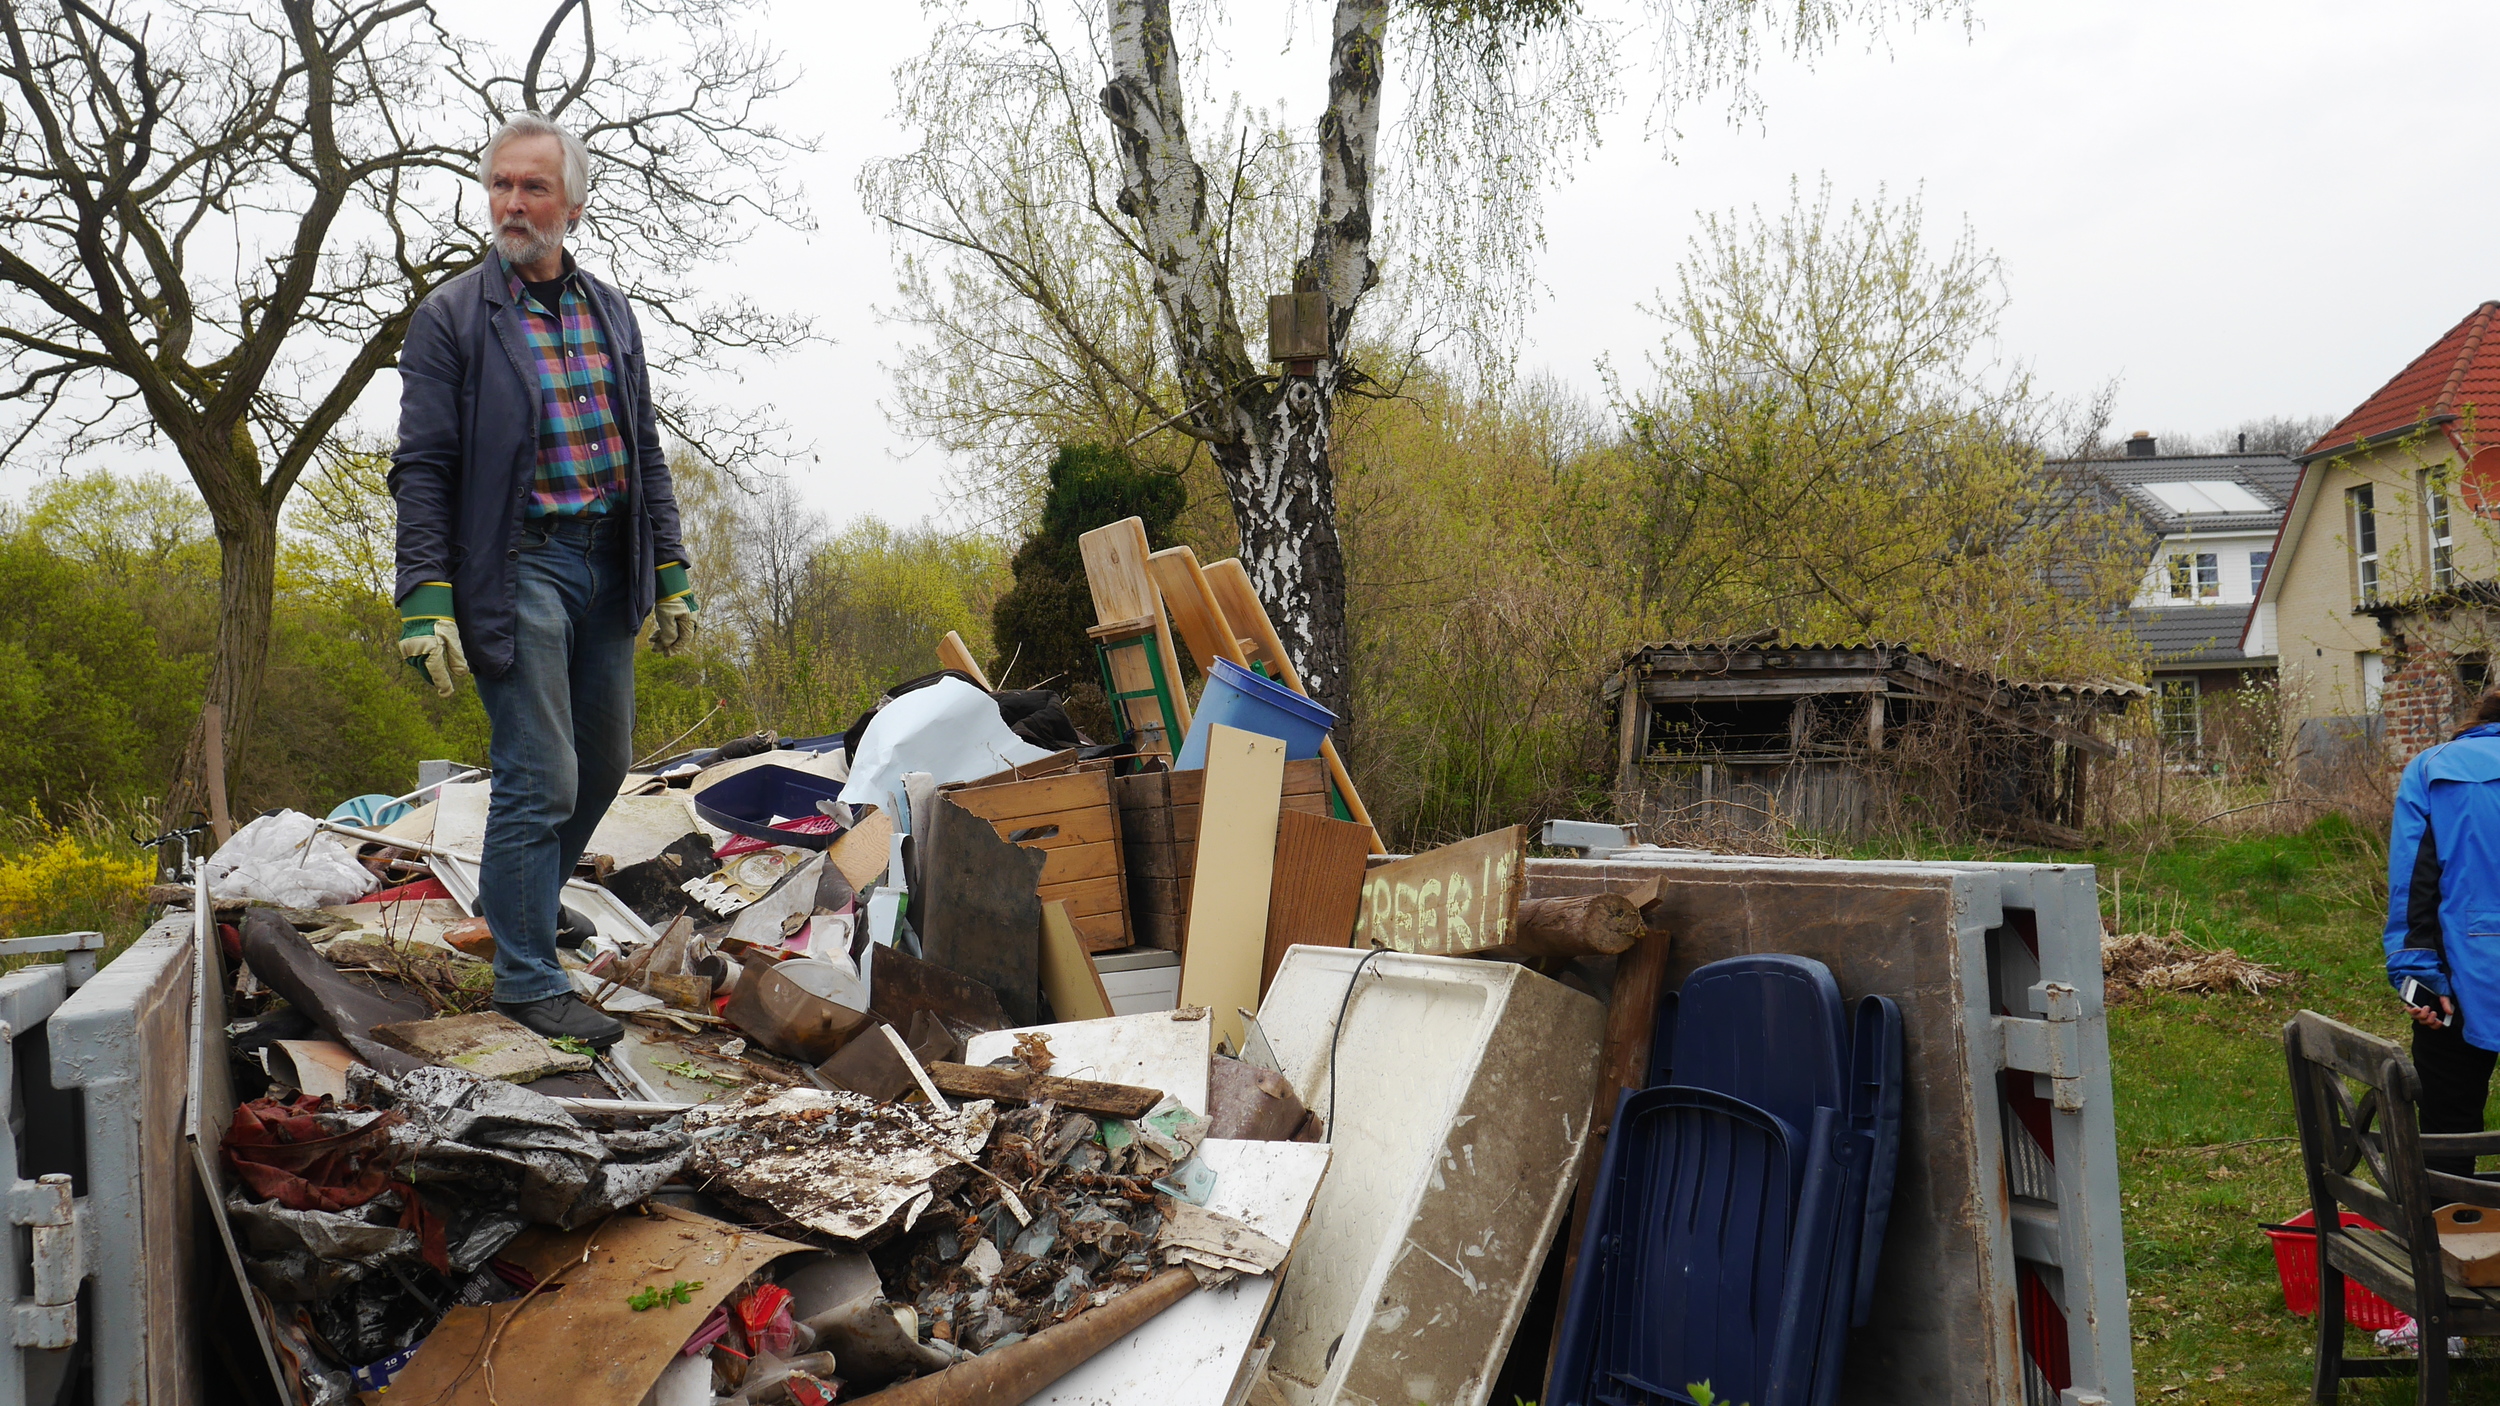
(574, 929)
(567, 1016)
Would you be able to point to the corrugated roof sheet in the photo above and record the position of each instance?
(2461, 370)
(1872, 652)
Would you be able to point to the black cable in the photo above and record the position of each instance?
(1337, 1034)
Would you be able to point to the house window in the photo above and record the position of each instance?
(2364, 507)
(2182, 723)
(2257, 571)
(2195, 576)
(2435, 500)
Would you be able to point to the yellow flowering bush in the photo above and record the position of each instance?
(61, 883)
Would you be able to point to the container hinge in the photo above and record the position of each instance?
(2049, 1045)
(45, 1206)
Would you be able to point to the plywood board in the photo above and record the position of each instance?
(1453, 900)
(1192, 1353)
(1068, 975)
(1228, 896)
(1164, 1050)
(862, 851)
(1317, 892)
(953, 653)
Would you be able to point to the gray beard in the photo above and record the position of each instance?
(521, 250)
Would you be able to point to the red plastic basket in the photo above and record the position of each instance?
(2296, 1261)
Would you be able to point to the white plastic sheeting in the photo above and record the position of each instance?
(283, 859)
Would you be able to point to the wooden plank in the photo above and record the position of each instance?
(1622, 1063)
(1228, 899)
(1159, 895)
(1248, 619)
(1123, 589)
(1052, 765)
(1068, 975)
(1456, 899)
(1307, 777)
(1010, 1086)
(953, 653)
(1190, 602)
(1317, 890)
(1070, 863)
(1103, 932)
(1061, 829)
(1089, 895)
(1160, 861)
(1045, 795)
(1163, 931)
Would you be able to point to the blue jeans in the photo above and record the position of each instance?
(563, 721)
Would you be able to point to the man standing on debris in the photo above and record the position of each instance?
(2443, 908)
(537, 529)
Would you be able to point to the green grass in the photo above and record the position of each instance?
(2205, 1128)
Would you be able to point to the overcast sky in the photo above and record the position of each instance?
(2233, 208)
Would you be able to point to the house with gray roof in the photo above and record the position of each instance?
(2213, 519)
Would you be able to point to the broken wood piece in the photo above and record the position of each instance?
(1317, 890)
(862, 850)
(1590, 925)
(2469, 1242)
(953, 653)
(489, 1044)
(1622, 1063)
(1124, 594)
(920, 1076)
(970, 1081)
(1070, 979)
(1190, 604)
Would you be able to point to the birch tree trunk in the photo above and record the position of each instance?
(1269, 434)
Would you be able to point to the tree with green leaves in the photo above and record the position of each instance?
(1833, 447)
(218, 221)
(1040, 622)
(1055, 137)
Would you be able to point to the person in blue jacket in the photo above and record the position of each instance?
(2443, 921)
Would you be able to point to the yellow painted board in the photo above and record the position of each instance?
(1068, 975)
(1227, 940)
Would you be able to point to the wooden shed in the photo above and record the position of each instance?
(1846, 740)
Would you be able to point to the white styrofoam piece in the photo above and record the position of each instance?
(1192, 1353)
(1164, 1050)
(1460, 1108)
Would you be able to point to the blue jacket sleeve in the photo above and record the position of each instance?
(425, 468)
(2416, 947)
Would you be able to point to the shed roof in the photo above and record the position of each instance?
(2191, 634)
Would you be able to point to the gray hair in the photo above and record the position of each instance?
(530, 124)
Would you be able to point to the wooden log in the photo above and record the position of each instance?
(1591, 925)
(1020, 1371)
(1011, 1086)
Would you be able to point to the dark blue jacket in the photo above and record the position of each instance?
(468, 453)
(2443, 878)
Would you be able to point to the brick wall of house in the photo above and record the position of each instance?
(2421, 700)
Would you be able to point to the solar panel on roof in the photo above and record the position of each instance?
(2207, 496)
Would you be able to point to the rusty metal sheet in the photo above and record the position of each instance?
(578, 1343)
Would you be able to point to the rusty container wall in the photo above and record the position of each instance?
(1997, 969)
(1458, 1113)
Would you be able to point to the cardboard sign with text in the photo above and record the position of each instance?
(1457, 899)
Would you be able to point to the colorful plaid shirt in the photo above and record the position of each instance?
(581, 448)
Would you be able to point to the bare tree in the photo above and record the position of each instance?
(217, 222)
(1500, 94)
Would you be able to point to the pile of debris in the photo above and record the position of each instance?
(2143, 961)
(941, 1079)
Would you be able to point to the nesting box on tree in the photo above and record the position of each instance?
(1297, 330)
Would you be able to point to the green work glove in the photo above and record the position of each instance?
(429, 639)
(672, 619)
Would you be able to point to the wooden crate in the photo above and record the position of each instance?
(1074, 820)
(1159, 839)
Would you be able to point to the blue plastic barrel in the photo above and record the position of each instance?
(1236, 697)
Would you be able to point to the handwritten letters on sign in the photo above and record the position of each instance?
(1459, 898)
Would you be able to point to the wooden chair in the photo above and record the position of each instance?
(2376, 1135)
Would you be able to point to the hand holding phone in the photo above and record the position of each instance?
(2428, 1006)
